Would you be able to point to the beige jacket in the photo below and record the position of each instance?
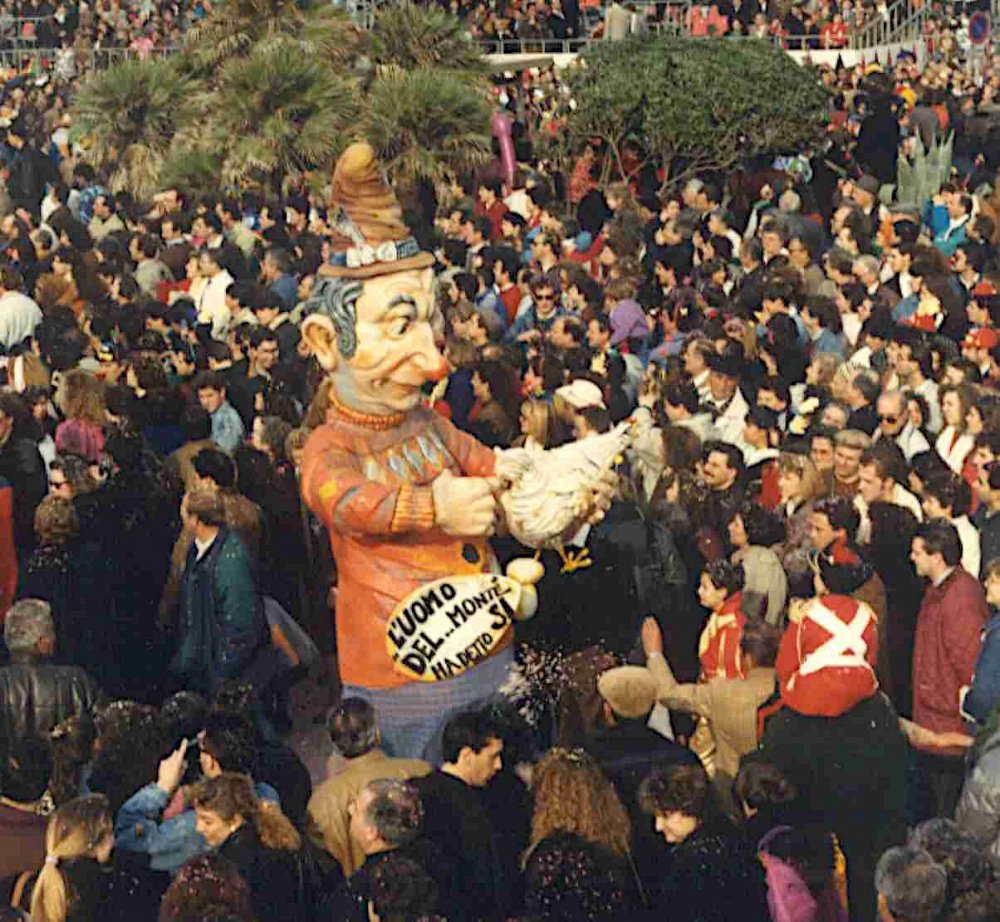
(329, 822)
(729, 705)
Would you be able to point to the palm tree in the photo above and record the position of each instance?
(427, 124)
(194, 169)
(126, 117)
(279, 112)
(407, 36)
(235, 27)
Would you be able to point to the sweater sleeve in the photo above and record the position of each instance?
(344, 499)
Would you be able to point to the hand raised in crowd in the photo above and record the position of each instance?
(652, 636)
(172, 769)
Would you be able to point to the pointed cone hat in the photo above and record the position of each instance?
(370, 237)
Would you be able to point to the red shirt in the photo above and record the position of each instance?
(495, 213)
(510, 297)
(719, 646)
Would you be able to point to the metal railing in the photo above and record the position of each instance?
(42, 59)
(903, 21)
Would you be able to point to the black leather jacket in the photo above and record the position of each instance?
(36, 694)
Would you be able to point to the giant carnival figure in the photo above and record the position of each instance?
(409, 500)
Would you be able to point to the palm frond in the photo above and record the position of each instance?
(127, 115)
(409, 36)
(282, 112)
(427, 124)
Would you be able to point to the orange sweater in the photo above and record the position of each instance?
(372, 491)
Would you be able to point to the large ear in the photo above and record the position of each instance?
(321, 338)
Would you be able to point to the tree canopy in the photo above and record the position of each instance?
(694, 104)
(266, 91)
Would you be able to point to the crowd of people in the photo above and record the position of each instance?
(765, 686)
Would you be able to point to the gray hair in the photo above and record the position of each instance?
(353, 727)
(335, 299)
(790, 202)
(395, 811)
(28, 622)
(913, 884)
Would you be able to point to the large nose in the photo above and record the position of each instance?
(428, 360)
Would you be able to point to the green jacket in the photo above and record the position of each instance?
(222, 625)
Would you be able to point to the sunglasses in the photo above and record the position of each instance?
(889, 419)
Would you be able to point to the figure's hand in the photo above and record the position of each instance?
(603, 495)
(172, 769)
(921, 736)
(464, 506)
(652, 637)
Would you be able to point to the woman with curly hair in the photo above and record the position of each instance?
(256, 837)
(572, 796)
(712, 871)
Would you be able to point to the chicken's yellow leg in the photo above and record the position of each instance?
(574, 561)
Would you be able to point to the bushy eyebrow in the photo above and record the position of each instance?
(402, 299)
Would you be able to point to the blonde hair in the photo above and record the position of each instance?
(803, 466)
(83, 397)
(55, 520)
(544, 425)
(230, 795)
(75, 830)
(571, 794)
(827, 365)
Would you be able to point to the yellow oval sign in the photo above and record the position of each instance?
(449, 625)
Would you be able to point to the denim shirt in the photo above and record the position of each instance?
(139, 828)
(984, 693)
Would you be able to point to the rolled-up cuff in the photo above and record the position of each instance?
(414, 509)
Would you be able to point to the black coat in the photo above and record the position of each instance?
(35, 695)
(28, 173)
(275, 876)
(22, 467)
(849, 771)
(635, 570)
(107, 892)
(457, 824)
(53, 573)
(627, 753)
(715, 877)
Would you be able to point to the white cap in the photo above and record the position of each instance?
(581, 394)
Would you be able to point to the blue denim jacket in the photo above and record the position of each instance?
(984, 693)
(139, 827)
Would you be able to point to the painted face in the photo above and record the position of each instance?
(395, 353)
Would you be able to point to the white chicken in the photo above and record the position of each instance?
(547, 495)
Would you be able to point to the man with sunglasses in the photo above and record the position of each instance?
(541, 315)
(894, 424)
